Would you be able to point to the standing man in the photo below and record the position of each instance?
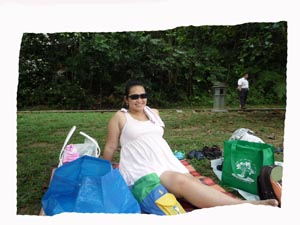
(243, 89)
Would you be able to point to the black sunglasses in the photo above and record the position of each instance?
(136, 96)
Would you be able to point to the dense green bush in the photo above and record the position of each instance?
(179, 66)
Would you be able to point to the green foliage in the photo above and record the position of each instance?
(183, 63)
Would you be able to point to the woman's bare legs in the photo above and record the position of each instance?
(201, 195)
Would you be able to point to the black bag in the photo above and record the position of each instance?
(269, 182)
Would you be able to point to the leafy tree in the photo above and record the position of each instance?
(179, 66)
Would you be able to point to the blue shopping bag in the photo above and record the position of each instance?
(88, 185)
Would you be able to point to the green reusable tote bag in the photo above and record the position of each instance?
(243, 161)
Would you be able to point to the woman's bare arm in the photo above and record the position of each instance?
(113, 135)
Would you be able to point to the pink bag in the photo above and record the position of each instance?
(70, 154)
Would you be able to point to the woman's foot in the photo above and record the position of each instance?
(270, 202)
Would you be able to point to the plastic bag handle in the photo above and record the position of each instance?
(92, 140)
(71, 132)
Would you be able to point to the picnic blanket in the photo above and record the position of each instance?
(205, 180)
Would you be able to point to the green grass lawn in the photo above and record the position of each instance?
(40, 137)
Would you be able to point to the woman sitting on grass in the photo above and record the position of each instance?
(139, 131)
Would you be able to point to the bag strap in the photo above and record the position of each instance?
(233, 149)
(266, 153)
(71, 132)
(93, 141)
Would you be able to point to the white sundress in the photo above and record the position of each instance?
(144, 151)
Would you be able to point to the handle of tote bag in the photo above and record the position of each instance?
(69, 137)
(233, 149)
(92, 140)
(71, 132)
(268, 154)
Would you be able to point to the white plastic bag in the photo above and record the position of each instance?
(71, 152)
(245, 135)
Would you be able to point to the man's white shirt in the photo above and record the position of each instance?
(243, 83)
